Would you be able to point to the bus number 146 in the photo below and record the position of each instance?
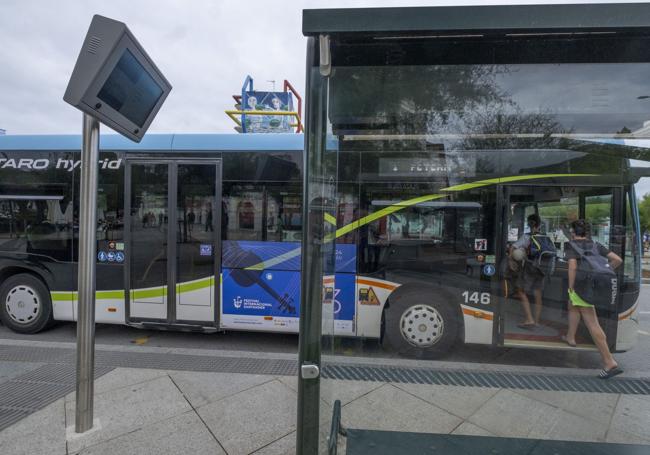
(477, 297)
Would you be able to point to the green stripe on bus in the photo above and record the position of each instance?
(386, 211)
(276, 260)
(62, 296)
(58, 296)
(408, 203)
(194, 285)
(330, 219)
(148, 293)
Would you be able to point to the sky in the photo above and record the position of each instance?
(205, 48)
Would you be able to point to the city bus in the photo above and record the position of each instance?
(202, 233)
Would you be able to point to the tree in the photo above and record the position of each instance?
(644, 212)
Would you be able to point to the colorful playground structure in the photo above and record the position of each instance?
(266, 111)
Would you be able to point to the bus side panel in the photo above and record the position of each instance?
(37, 221)
(372, 294)
(627, 333)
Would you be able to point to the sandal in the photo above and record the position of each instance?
(606, 374)
(564, 338)
(527, 325)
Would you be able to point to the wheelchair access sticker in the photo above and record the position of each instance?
(489, 269)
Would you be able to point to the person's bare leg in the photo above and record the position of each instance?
(591, 321)
(525, 304)
(574, 320)
(538, 305)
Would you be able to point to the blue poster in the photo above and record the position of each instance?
(346, 257)
(261, 293)
(264, 255)
(280, 255)
(344, 297)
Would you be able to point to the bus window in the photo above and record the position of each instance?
(243, 210)
(246, 215)
(597, 212)
(631, 257)
(283, 213)
(38, 224)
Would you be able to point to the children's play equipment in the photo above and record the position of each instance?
(266, 111)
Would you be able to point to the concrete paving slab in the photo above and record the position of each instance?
(337, 389)
(594, 406)
(124, 377)
(510, 414)
(392, 409)
(569, 427)
(283, 446)
(184, 433)
(632, 415)
(125, 409)
(204, 388)
(42, 432)
(252, 419)
(626, 438)
(469, 429)
(457, 400)
(10, 370)
(287, 444)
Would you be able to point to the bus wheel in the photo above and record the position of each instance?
(420, 325)
(25, 304)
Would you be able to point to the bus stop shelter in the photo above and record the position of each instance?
(407, 91)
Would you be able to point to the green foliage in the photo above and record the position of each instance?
(644, 212)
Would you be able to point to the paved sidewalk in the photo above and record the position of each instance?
(168, 411)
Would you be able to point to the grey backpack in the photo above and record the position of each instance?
(596, 281)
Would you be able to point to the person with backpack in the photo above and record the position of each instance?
(538, 253)
(592, 282)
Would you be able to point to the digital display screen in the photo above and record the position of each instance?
(130, 90)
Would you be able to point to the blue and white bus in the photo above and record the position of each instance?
(203, 232)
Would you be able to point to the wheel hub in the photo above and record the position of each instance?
(421, 325)
(22, 304)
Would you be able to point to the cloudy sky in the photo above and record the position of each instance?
(204, 47)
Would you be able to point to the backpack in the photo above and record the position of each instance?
(542, 253)
(596, 282)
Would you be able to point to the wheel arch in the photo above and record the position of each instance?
(11, 270)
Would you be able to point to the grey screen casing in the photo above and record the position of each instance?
(130, 113)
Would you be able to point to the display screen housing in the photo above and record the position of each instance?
(130, 90)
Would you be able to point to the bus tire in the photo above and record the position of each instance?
(25, 304)
(420, 324)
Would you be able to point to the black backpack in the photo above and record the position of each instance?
(596, 281)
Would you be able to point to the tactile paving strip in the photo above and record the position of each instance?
(35, 389)
(565, 383)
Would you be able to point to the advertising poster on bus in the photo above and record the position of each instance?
(261, 286)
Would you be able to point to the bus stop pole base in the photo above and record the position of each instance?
(86, 275)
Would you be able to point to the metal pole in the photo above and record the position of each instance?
(86, 275)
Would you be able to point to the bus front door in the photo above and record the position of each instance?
(534, 311)
(173, 244)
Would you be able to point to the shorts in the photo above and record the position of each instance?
(576, 300)
(530, 280)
